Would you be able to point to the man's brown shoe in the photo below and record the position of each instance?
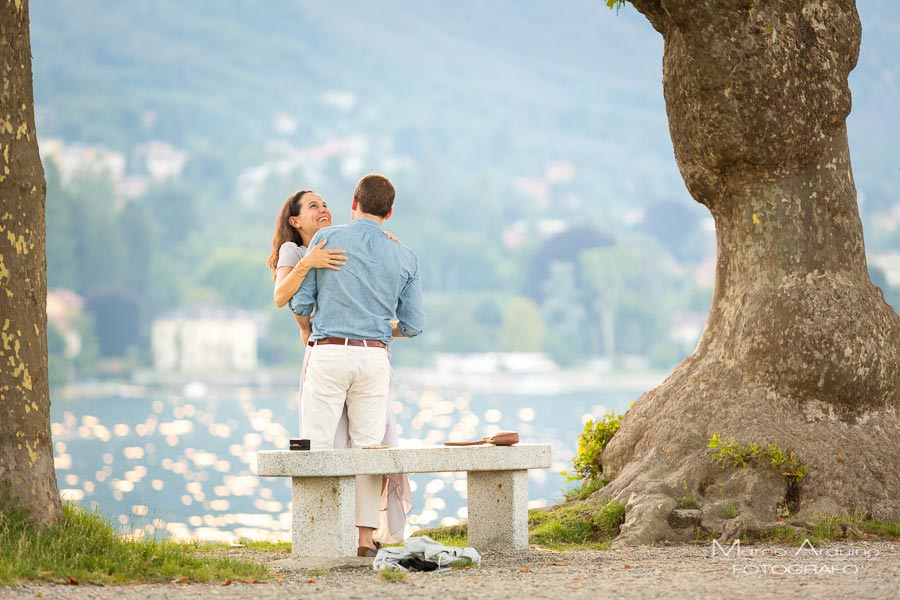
(366, 552)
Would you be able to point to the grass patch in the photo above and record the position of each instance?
(392, 575)
(576, 525)
(729, 506)
(588, 487)
(571, 526)
(454, 535)
(890, 529)
(254, 545)
(828, 528)
(687, 499)
(854, 526)
(785, 534)
(86, 548)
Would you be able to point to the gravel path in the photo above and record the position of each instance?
(845, 570)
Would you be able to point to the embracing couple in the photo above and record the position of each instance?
(350, 299)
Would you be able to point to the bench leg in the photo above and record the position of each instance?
(498, 510)
(323, 516)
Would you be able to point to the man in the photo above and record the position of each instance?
(348, 338)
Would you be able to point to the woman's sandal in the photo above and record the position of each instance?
(367, 552)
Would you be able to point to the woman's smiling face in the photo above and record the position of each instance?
(314, 215)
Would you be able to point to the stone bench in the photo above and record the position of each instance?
(323, 490)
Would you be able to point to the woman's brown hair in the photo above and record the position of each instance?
(283, 230)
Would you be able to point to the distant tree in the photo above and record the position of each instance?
(459, 332)
(116, 313)
(674, 225)
(236, 277)
(522, 329)
(99, 247)
(27, 475)
(175, 208)
(489, 315)
(57, 361)
(799, 348)
(611, 274)
(562, 247)
(565, 317)
(62, 265)
(140, 234)
(623, 285)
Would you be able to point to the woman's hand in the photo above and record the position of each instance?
(392, 236)
(320, 258)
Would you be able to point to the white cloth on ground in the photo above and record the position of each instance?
(427, 549)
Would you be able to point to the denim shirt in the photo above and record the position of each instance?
(379, 281)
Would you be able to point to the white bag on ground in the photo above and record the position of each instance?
(425, 549)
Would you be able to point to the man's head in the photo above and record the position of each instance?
(374, 195)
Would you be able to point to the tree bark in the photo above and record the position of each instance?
(27, 476)
(799, 349)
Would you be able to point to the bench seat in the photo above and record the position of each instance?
(323, 490)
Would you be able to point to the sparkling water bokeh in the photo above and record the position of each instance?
(181, 461)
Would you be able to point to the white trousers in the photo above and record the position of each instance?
(359, 377)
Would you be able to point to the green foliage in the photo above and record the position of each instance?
(728, 452)
(687, 499)
(259, 546)
(854, 526)
(582, 524)
(572, 525)
(591, 442)
(85, 362)
(785, 534)
(453, 535)
(523, 328)
(98, 243)
(729, 506)
(628, 291)
(392, 575)
(883, 528)
(175, 207)
(235, 278)
(62, 264)
(584, 491)
(85, 548)
(140, 230)
(563, 310)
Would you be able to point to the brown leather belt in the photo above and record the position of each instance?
(347, 342)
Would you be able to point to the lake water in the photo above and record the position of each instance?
(182, 460)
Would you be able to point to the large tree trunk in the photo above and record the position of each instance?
(27, 476)
(800, 349)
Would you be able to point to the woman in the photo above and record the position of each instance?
(301, 216)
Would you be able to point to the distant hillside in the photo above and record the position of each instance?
(505, 85)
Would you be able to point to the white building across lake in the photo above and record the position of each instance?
(205, 338)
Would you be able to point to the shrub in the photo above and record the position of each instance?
(591, 442)
(729, 453)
